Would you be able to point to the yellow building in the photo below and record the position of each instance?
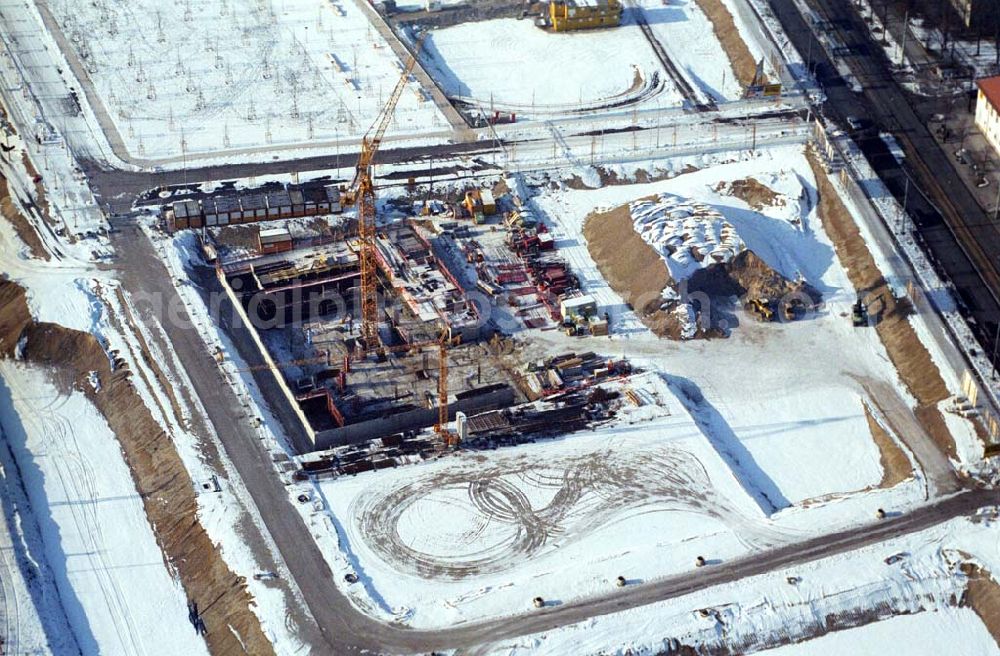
(988, 110)
(566, 15)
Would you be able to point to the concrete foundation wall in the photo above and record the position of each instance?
(411, 420)
(281, 402)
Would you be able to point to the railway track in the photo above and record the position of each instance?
(943, 202)
(699, 102)
(952, 226)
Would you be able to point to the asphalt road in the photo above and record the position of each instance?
(332, 625)
(117, 189)
(956, 234)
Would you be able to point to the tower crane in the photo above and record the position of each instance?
(362, 193)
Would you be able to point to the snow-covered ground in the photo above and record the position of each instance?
(116, 591)
(781, 438)
(776, 367)
(533, 72)
(182, 78)
(689, 40)
(480, 534)
(955, 631)
(517, 66)
(916, 597)
(980, 56)
(75, 290)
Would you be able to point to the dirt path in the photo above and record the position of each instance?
(940, 476)
(907, 353)
(896, 467)
(733, 45)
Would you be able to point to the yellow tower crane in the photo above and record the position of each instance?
(362, 193)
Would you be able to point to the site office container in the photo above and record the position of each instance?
(333, 198)
(275, 240)
(227, 208)
(175, 223)
(297, 202)
(211, 214)
(254, 207)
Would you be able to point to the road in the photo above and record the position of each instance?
(330, 623)
(618, 137)
(956, 234)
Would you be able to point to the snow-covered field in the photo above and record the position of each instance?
(515, 65)
(480, 534)
(954, 631)
(116, 591)
(792, 408)
(689, 40)
(182, 78)
(512, 65)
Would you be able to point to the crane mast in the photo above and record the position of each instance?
(362, 191)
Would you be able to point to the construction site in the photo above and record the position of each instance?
(392, 336)
(450, 291)
(493, 327)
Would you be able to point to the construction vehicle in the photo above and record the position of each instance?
(362, 193)
(859, 315)
(761, 308)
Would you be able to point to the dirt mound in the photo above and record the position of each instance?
(627, 262)
(907, 353)
(25, 231)
(242, 237)
(746, 275)
(157, 470)
(639, 275)
(633, 269)
(14, 317)
(728, 35)
(751, 191)
(982, 595)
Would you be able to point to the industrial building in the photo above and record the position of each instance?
(568, 15)
(979, 15)
(988, 110)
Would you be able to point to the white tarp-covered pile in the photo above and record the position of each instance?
(688, 235)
